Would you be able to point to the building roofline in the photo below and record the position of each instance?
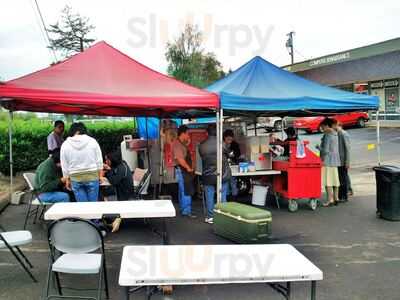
(346, 55)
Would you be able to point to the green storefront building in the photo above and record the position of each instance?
(373, 69)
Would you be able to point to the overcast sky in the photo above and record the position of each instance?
(235, 30)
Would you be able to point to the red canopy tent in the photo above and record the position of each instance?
(104, 81)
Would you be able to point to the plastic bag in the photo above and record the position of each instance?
(300, 149)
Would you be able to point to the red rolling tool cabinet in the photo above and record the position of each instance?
(300, 178)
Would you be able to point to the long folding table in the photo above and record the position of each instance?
(143, 209)
(153, 266)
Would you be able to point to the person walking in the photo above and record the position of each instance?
(184, 171)
(208, 154)
(55, 138)
(344, 153)
(329, 153)
(81, 163)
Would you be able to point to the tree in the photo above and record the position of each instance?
(188, 62)
(70, 35)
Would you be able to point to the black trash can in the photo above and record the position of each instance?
(388, 192)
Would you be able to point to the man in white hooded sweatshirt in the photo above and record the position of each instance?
(81, 162)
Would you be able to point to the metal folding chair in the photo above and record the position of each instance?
(141, 182)
(72, 243)
(35, 205)
(12, 240)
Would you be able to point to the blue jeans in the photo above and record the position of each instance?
(209, 191)
(86, 191)
(234, 191)
(185, 202)
(54, 197)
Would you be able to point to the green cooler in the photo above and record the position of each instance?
(242, 223)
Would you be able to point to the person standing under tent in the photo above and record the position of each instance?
(344, 152)
(184, 171)
(55, 138)
(208, 154)
(232, 153)
(329, 153)
(82, 163)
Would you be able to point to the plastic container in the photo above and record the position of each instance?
(388, 192)
(243, 167)
(252, 166)
(259, 195)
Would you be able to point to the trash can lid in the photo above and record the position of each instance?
(388, 169)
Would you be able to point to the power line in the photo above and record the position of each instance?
(299, 53)
(43, 29)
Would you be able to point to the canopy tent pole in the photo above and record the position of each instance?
(10, 138)
(220, 122)
(378, 137)
(161, 169)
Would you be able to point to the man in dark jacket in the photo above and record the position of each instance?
(49, 181)
(208, 153)
(344, 152)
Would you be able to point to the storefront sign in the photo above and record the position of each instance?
(330, 59)
(376, 85)
(391, 83)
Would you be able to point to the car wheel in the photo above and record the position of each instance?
(361, 123)
(278, 125)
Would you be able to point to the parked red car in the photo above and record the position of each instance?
(313, 124)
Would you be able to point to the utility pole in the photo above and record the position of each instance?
(289, 45)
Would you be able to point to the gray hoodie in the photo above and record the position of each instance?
(79, 154)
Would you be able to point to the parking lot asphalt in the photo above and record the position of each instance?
(358, 253)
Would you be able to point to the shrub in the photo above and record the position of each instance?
(30, 141)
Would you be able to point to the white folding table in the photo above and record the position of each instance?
(153, 266)
(145, 209)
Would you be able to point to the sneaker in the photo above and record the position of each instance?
(209, 220)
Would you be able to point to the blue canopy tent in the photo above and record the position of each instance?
(262, 88)
(259, 88)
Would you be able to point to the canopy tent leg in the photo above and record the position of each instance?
(378, 137)
(220, 122)
(161, 169)
(10, 138)
(148, 155)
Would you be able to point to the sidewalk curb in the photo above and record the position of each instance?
(384, 124)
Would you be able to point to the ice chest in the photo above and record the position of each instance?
(242, 223)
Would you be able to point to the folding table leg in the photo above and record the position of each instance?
(165, 232)
(288, 290)
(126, 293)
(313, 290)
